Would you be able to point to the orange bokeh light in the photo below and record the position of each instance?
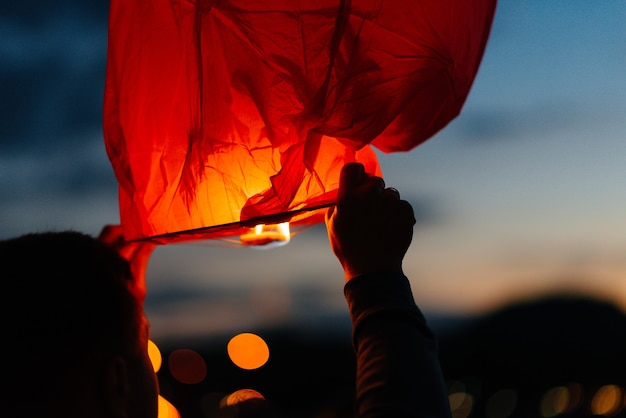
(248, 351)
(155, 355)
(241, 395)
(607, 401)
(187, 366)
(166, 409)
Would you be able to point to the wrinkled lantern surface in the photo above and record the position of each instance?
(221, 115)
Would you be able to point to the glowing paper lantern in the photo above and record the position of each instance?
(221, 115)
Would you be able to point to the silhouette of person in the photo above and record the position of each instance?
(76, 336)
(398, 371)
(74, 333)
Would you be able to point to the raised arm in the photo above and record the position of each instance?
(398, 371)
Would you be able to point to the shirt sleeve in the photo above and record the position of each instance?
(398, 370)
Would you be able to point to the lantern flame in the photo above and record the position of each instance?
(267, 235)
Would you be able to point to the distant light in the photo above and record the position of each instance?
(240, 396)
(187, 366)
(155, 355)
(461, 404)
(555, 401)
(576, 396)
(502, 404)
(470, 385)
(166, 409)
(607, 401)
(267, 236)
(248, 351)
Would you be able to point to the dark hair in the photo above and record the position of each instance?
(66, 304)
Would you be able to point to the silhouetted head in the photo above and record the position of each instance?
(74, 337)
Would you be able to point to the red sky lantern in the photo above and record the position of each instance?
(223, 115)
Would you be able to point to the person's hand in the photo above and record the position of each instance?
(370, 228)
(137, 253)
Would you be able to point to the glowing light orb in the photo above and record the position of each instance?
(607, 401)
(555, 402)
(187, 366)
(461, 404)
(240, 396)
(155, 355)
(166, 409)
(248, 351)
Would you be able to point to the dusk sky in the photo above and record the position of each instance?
(523, 193)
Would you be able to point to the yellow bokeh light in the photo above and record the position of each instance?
(461, 404)
(576, 396)
(166, 409)
(501, 404)
(155, 355)
(555, 401)
(248, 351)
(607, 401)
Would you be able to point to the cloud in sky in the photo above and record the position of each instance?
(69, 186)
(515, 123)
(52, 66)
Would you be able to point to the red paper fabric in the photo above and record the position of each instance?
(222, 114)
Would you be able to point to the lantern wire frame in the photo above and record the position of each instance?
(230, 240)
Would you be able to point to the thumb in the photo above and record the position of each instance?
(352, 176)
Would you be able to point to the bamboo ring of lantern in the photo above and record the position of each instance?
(221, 115)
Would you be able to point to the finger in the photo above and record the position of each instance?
(392, 193)
(406, 211)
(399, 211)
(372, 192)
(352, 176)
(377, 183)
